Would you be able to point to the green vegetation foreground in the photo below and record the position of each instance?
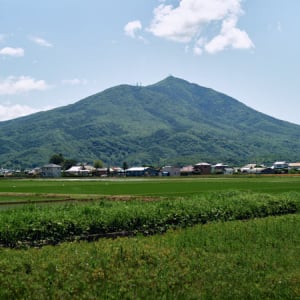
(246, 258)
(257, 259)
(51, 224)
(152, 186)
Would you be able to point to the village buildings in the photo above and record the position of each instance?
(201, 169)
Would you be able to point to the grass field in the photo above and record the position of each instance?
(224, 238)
(149, 187)
(257, 259)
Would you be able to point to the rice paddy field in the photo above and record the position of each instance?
(151, 186)
(165, 238)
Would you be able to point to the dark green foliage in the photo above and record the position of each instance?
(68, 163)
(165, 123)
(98, 164)
(35, 225)
(57, 159)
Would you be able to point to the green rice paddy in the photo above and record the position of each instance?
(151, 187)
(210, 238)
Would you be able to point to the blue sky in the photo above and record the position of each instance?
(53, 53)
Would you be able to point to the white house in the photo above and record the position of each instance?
(279, 165)
(78, 171)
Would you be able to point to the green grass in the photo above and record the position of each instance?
(153, 187)
(257, 259)
(52, 224)
(220, 259)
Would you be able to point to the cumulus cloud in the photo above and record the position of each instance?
(196, 20)
(16, 85)
(12, 111)
(74, 81)
(132, 28)
(40, 41)
(17, 52)
(229, 37)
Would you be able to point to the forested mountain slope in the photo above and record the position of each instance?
(170, 122)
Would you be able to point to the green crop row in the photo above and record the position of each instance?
(52, 224)
(257, 259)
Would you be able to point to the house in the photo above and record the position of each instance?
(116, 171)
(280, 167)
(103, 172)
(202, 168)
(294, 166)
(78, 170)
(186, 170)
(228, 171)
(34, 172)
(255, 169)
(141, 171)
(248, 168)
(170, 171)
(219, 168)
(51, 171)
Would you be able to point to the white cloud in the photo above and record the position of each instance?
(40, 41)
(132, 28)
(194, 20)
(229, 37)
(14, 111)
(74, 81)
(198, 47)
(16, 85)
(17, 52)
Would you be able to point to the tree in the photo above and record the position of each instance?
(57, 159)
(125, 165)
(68, 163)
(98, 164)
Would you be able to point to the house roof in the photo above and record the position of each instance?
(249, 166)
(294, 165)
(51, 166)
(203, 164)
(187, 169)
(137, 169)
(280, 163)
(220, 165)
(77, 169)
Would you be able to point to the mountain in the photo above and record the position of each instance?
(170, 122)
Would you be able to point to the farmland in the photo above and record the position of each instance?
(152, 187)
(190, 238)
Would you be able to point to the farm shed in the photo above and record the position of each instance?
(51, 170)
(202, 168)
(141, 171)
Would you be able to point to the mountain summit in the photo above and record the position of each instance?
(170, 122)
